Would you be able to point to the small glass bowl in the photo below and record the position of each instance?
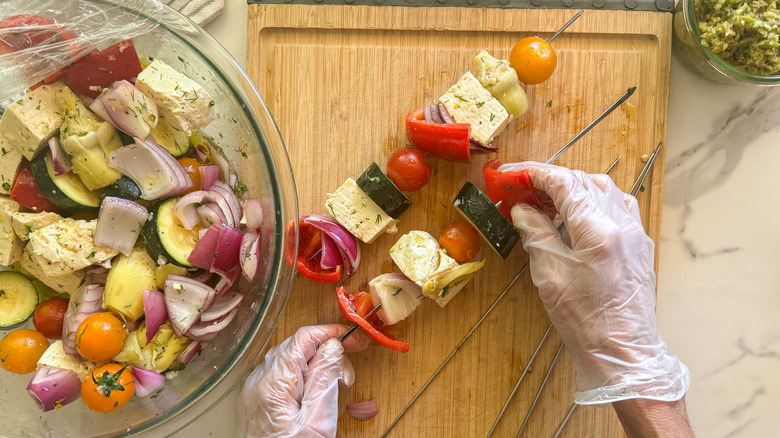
(687, 48)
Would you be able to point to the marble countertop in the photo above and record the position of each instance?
(716, 290)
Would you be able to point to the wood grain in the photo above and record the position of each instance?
(339, 81)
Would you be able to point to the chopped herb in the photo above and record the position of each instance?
(397, 291)
(330, 207)
(549, 104)
(492, 116)
(508, 187)
(212, 103)
(6, 186)
(5, 152)
(461, 97)
(178, 367)
(182, 60)
(479, 105)
(373, 179)
(153, 117)
(2, 292)
(642, 188)
(92, 254)
(378, 218)
(568, 109)
(28, 229)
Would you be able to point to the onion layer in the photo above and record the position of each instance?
(156, 312)
(53, 388)
(146, 382)
(152, 168)
(185, 299)
(346, 242)
(363, 410)
(119, 224)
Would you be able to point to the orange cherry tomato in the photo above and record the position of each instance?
(21, 349)
(108, 388)
(100, 337)
(192, 165)
(461, 241)
(48, 316)
(533, 59)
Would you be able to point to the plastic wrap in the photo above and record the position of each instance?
(38, 38)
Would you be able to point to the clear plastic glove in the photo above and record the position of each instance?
(294, 392)
(597, 284)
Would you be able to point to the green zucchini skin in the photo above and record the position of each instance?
(494, 227)
(18, 299)
(124, 188)
(65, 191)
(382, 190)
(159, 236)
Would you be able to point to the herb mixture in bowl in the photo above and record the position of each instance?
(744, 34)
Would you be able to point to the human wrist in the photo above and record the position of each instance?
(645, 418)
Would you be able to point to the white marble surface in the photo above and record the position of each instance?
(717, 294)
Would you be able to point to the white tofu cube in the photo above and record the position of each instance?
(67, 246)
(26, 223)
(358, 213)
(66, 283)
(469, 102)
(10, 159)
(31, 121)
(182, 102)
(10, 245)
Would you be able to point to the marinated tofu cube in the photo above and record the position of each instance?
(67, 246)
(66, 283)
(31, 121)
(469, 102)
(10, 160)
(10, 245)
(360, 215)
(26, 223)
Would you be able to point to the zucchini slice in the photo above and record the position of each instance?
(66, 191)
(124, 188)
(18, 299)
(165, 236)
(382, 190)
(494, 227)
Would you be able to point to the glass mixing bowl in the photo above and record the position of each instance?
(686, 45)
(242, 125)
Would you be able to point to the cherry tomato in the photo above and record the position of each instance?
(21, 349)
(533, 59)
(48, 316)
(409, 168)
(461, 241)
(192, 167)
(100, 337)
(108, 388)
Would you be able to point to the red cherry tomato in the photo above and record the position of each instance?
(409, 168)
(533, 59)
(48, 316)
(461, 241)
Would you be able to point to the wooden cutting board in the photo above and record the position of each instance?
(339, 81)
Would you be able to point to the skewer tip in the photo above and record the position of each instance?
(631, 90)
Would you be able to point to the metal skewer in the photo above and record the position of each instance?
(565, 26)
(539, 392)
(530, 362)
(355, 327)
(634, 190)
(645, 170)
(611, 108)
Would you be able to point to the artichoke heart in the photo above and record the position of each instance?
(440, 283)
(157, 355)
(498, 77)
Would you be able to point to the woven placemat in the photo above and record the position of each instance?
(199, 11)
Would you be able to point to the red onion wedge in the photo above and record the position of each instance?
(207, 330)
(156, 312)
(185, 299)
(221, 307)
(87, 299)
(152, 168)
(249, 256)
(227, 250)
(59, 158)
(192, 349)
(128, 109)
(330, 253)
(53, 387)
(444, 114)
(205, 250)
(210, 214)
(186, 209)
(216, 156)
(146, 382)
(221, 194)
(227, 280)
(208, 174)
(363, 410)
(343, 238)
(253, 214)
(119, 224)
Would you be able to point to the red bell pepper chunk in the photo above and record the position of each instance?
(513, 187)
(28, 195)
(310, 253)
(88, 75)
(447, 141)
(353, 304)
(39, 30)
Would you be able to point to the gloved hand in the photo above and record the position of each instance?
(294, 393)
(597, 284)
